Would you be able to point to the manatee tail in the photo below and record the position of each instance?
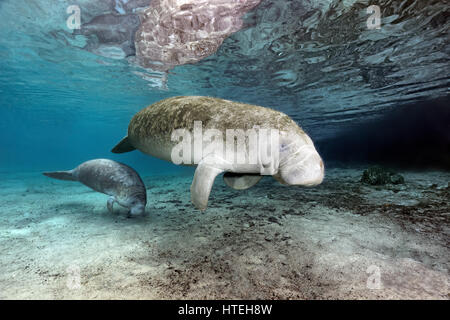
(123, 146)
(61, 175)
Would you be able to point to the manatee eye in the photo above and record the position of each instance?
(283, 147)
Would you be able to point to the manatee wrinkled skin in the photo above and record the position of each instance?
(115, 179)
(150, 131)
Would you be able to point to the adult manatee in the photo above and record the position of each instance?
(269, 141)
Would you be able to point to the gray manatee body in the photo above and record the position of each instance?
(294, 160)
(115, 179)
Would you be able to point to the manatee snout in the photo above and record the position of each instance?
(138, 209)
(305, 170)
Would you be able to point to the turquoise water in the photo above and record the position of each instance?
(57, 114)
(62, 104)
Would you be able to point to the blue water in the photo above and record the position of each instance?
(58, 115)
(61, 104)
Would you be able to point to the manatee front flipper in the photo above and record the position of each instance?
(110, 204)
(123, 146)
(239, 181)
(205, 174)
(61, 175)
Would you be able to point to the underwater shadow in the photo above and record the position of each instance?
(410, 136)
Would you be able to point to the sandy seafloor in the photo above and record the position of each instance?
(58, 241)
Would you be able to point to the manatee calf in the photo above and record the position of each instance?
(115, 179)
(293, 159)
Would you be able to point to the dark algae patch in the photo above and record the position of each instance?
(377, 175)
